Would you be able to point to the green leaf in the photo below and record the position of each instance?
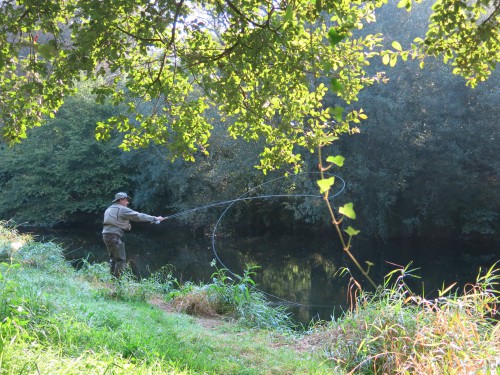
(394, 60)
(289, 13)
(397, 46)
(402, 3)
(385, 59)
(348, 210)
(46, 51)
(334, 37)
(337, 160)
(351, 231)
(336, 85)
(325, 184)
(337, 112)
(330, 138)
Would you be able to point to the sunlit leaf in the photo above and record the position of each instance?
(330, 138)
(348, 210)
(403, 3)
(385, 59)
(394, 60)
(397, 46)
(325, 184)
(351, 231)
(337, 160)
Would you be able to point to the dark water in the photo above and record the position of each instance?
(296, 269)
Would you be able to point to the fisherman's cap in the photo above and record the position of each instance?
(120, 195)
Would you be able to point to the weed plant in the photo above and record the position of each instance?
(128, 287)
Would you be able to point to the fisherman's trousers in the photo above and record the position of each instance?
(116, 250)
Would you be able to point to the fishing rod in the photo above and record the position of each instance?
(244, 198)
(231, 201)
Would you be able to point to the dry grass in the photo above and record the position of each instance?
(396, 332)
(11, 241)
(196, 303)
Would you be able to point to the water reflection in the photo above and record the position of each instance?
(293, 268)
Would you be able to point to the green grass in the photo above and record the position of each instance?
(57, 320)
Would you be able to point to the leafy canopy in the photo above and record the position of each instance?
(266, 66)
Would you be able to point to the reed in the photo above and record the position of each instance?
(393, 331)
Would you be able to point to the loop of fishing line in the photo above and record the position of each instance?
(245, 197)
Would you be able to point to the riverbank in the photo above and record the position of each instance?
(57, 320)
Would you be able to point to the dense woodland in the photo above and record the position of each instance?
(424, 163)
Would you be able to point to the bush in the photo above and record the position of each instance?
(11, 241)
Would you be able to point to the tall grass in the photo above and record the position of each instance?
(394, 331)
(10, 240)
(236, 297)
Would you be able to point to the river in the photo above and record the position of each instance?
(300, 271)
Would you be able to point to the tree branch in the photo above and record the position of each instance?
(138, 37)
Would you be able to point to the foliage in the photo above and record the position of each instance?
(62, 166)
(182, 186)
(262, 65)
(424, 162)
(421, 165)
(455, 31)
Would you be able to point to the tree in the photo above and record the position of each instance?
(261, 63)
(61, 173)
(465, 34)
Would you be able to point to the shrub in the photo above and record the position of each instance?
(11, 241)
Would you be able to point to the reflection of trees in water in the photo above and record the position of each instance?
(299, 270)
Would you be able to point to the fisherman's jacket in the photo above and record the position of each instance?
(117, 219)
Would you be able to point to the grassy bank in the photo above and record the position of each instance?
(57, 320)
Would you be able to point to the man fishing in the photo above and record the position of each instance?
(117, 219)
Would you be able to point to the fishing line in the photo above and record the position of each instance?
(244, 197)
(222, 203)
